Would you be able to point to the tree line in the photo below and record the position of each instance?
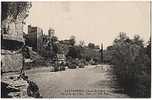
(131, 61)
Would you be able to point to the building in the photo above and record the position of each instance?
(35, 38)
(51, 32)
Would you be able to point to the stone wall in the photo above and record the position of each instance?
(12, 35)
(13, 29)
(11, 62)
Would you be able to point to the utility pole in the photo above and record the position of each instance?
(101, 52)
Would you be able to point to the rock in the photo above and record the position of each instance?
(16, 87)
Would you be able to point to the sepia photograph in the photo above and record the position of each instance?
(76, 49)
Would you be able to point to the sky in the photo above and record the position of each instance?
(97, 22)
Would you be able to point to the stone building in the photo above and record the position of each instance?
(12, 23)
(35, 38)
(51, 32)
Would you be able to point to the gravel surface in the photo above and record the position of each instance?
(93, 81)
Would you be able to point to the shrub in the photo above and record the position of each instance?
(131, 65)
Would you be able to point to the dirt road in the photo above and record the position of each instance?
(91, 81)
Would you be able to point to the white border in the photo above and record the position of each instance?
(82, 0)
(72, 1)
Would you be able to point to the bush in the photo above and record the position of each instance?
(131, 65)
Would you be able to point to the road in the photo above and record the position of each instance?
(91, 81)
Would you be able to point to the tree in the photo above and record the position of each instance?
(26, 52)
(81, 43)
(55, 48)
(131, 65)
(148, 48)
(97, 47)
(13, 9)
(74, 52)
(121, 38)
(91, 45)
(137, 40)
(54, 38)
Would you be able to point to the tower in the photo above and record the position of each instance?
(51, 32)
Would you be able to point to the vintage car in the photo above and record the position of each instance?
(72, 64)
(59, 63)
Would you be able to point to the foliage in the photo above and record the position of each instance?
(55, 48)
(131, 64)
(25, 52)
(13, 9)
(91, 45)
(54, 39)
(81, 43)
(107, 55)
(74, 52)
(148, 48)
